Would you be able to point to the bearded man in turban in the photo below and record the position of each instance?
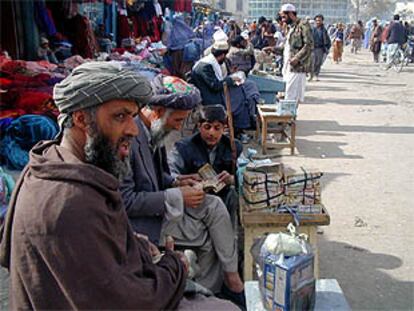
(66, 241)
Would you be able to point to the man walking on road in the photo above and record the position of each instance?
(356, 36)
(375, 42)
(297, 53)
(396, 37)
(322, 44)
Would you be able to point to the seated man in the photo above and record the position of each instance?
(104, 39)
(158, 209)
(209, 145)
(44, 52)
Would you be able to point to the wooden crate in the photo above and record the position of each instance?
(265, 217)
(257, 223)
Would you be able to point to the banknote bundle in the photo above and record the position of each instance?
(272, 185)
(303, 188)
(263, 185)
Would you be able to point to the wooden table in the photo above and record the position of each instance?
(268, 114)
(257, 223)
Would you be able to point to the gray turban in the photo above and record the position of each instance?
(92, 84)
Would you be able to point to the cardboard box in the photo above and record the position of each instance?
(288, 285)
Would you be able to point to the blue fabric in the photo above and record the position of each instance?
(339, 35)
(30, 31)
(21, 135)
(192, 50)
(321, 39)
(244, 99)
(4, 124)
(143, 70)
(6, 188)
(180, 34)
(43, 19)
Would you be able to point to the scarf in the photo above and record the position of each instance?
(211, 60)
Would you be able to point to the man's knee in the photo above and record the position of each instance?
(215, 205)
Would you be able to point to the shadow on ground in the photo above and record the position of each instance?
(316, 87)
(363, 82)
(333, 128)
(340, 74)
(329, 177)
(375, 289)
(323, 149)
(347, 101)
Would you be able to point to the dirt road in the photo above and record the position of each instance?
(357, 126)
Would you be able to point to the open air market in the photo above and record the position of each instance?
(206, 155)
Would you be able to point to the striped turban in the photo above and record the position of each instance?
(94, 83)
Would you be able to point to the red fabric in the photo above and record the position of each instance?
(157, 22)
(32, 101)
(11, 113)
(183, 6)
(123, 28)
(84, 38)
(5, 82)
(4, 60)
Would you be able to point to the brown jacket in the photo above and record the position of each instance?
(301, 46)
(68, 244)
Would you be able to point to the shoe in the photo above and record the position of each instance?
(239, 299)
(317, 79)
(310, 78)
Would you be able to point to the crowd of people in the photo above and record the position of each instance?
(94, 206)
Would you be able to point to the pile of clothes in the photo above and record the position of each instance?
(27, 113)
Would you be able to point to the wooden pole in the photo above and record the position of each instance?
(231, 128)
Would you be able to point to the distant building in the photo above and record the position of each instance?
(333, 10)
(238, 8)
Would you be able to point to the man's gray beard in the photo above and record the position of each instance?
(100, 152)
(158, 132)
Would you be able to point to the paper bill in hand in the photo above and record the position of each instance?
(210, 180)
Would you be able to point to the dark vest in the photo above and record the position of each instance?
(195, 153)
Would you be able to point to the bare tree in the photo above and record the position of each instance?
(366, 9)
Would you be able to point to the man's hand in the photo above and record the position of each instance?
(154, 251)
(188, 180)
(193, 196)
(226, 177)
(293, 62)
(184, 260)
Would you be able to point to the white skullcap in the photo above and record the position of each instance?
(221, 45)
(220, 35)
(288, 8)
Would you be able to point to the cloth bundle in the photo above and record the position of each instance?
(21, 135)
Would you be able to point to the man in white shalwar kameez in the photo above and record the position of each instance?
(297, 54)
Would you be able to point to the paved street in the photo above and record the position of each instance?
(357, 126)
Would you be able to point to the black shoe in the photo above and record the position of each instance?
(239, 299)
